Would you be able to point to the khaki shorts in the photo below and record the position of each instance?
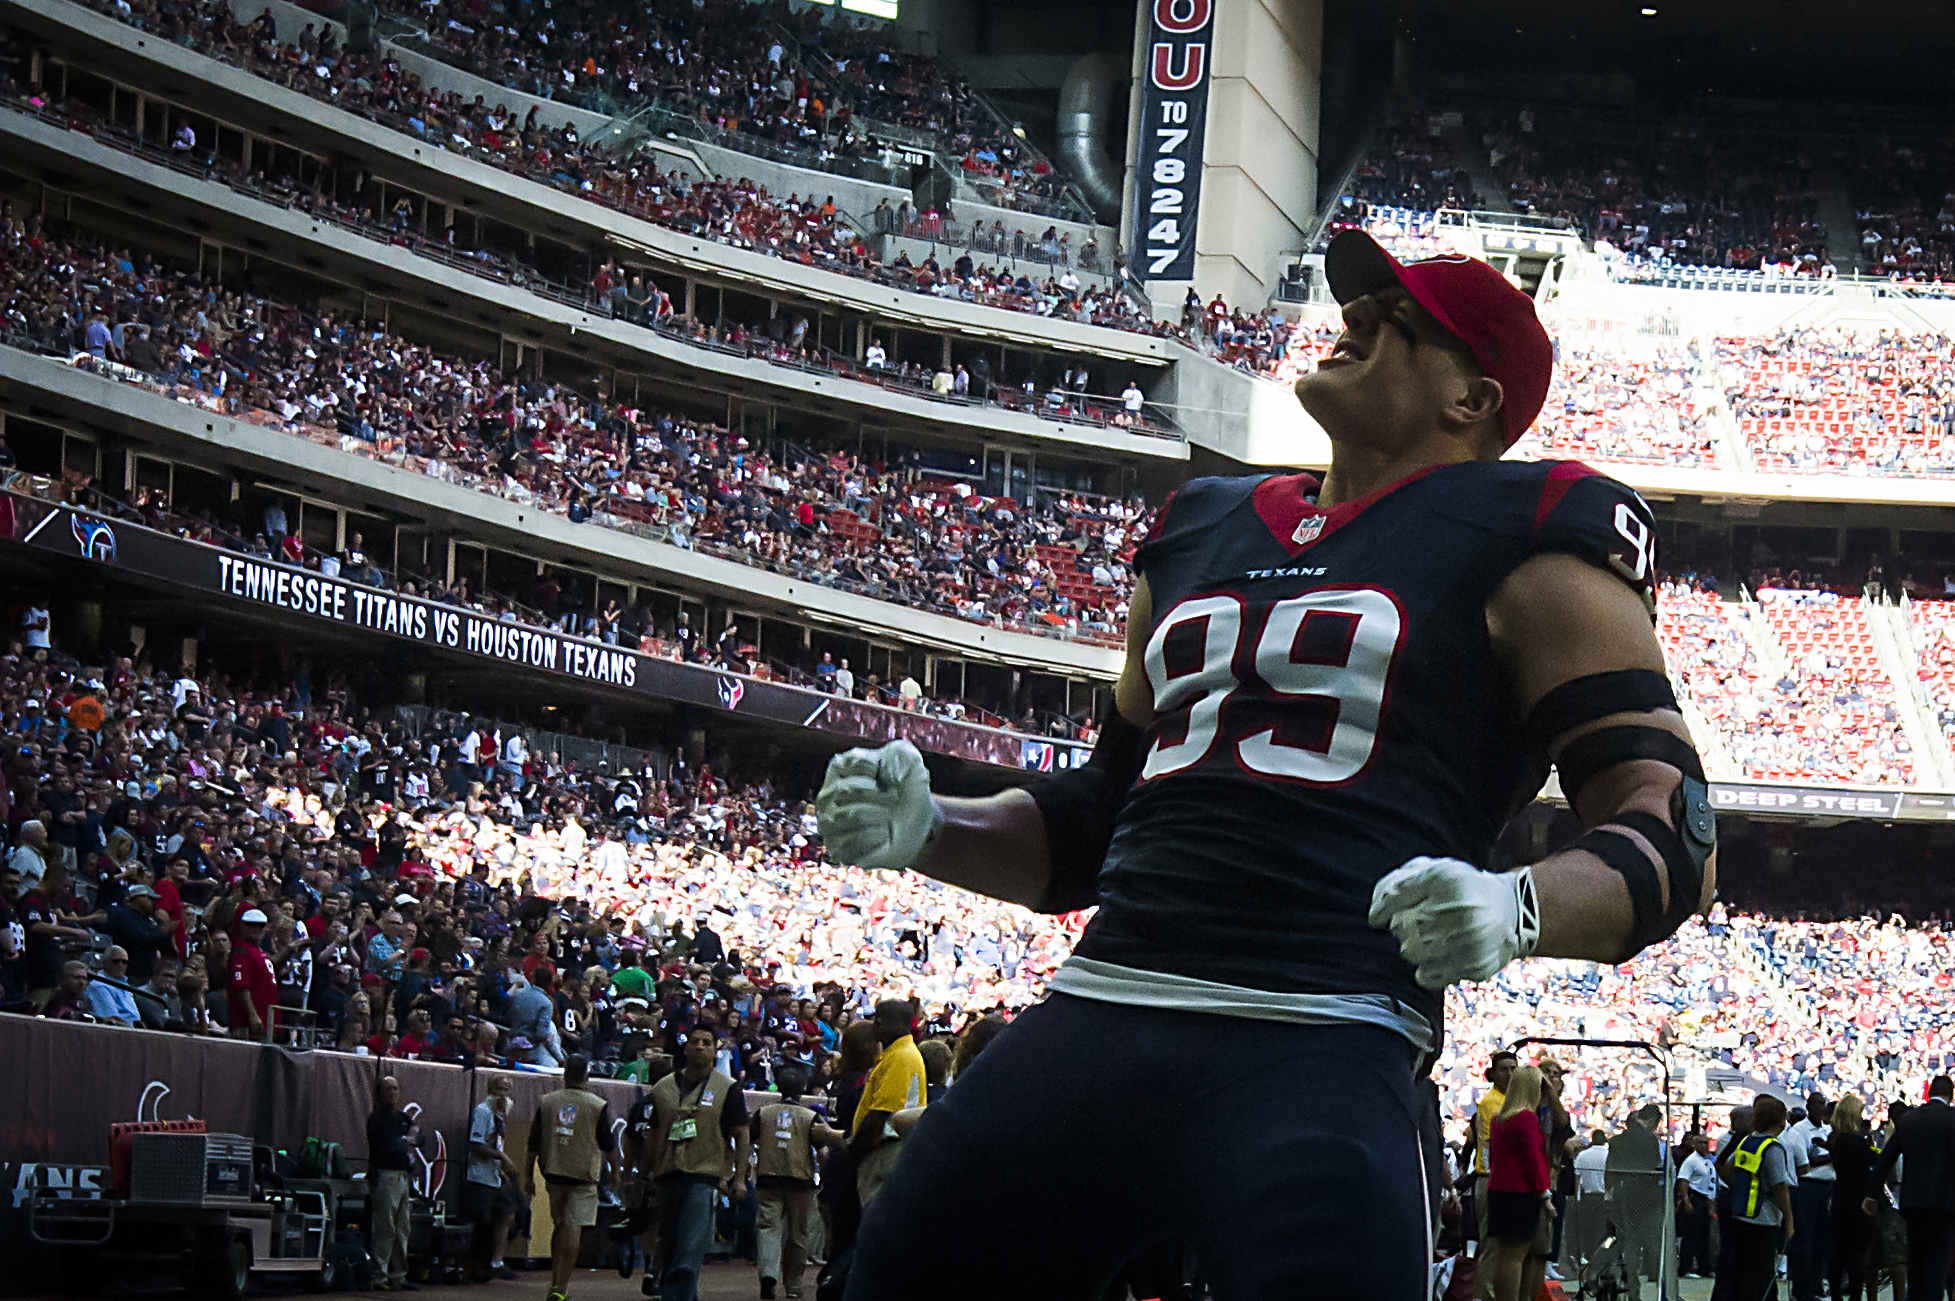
(573, 1204)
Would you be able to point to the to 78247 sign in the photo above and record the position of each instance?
(1174, 117)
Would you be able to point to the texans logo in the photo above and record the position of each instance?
(433, 1170)
(96, 538)
(731, 691)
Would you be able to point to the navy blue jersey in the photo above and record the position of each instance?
(1327, 706)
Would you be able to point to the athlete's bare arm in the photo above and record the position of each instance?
(1557, 618)
(996, 845)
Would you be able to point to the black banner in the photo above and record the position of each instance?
(1173, 125)
(309, 594)
(1832, 802)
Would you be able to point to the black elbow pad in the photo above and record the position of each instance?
(1080, 808)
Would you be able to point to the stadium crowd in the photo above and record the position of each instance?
(196, 854)
(405, 869)
(794, 77)
(1831, 714)
(735, 211)
(1905, 211)
(887, 530)
(1843, 401)
(1608, 404)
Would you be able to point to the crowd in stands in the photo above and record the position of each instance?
(1843, 401)
(1679, 197)
(406, 873)
(886, 530)
(1607, 404)
(1933, 626)
(1830, 715)
(1905, 211)
(1408, 171)
(417, 878)
(735, 211)
(822, 84)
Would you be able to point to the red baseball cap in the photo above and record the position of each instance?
(1475, 303)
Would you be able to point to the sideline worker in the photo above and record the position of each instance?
(569, 1137)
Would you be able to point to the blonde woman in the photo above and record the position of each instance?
(1853, 1229)
(1518, 1183)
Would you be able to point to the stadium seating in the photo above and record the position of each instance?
(1608, 406)
(1835, 716)
(1933, 624)
(1838, 401)
(734, 211)
(465, 420)
(764, 76)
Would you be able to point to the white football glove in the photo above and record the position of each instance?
(875, 809)
(1455, 922)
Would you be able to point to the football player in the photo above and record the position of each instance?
(1336, 694)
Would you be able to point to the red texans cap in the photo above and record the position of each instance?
(1475, 303)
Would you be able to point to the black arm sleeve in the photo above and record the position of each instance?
(1080, 808)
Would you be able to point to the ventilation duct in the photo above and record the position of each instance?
(1086, 105)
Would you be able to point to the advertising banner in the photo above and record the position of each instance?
(1173, 128)
(303, 594)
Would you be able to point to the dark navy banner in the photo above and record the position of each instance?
(1173, 124)
(305, 593)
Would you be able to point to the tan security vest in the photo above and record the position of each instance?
(568, 1119)
(707, 1151)
(782, 1146)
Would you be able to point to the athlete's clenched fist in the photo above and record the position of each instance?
(875, 809)
(1454, 922)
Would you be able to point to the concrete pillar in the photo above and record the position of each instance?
(692, 296)
(1259, 161)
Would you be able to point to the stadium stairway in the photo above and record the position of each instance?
(1718, 763)
(1835, 205)
(1732, 452)
(1771, 656)
(1894, 639)
(1473, 161)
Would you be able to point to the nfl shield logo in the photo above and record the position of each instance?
(1309, 529)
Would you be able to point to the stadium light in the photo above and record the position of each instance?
(1649, 13)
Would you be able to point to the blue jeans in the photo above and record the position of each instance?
(685, 1230)
(1806, 1254)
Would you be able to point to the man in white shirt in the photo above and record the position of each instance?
(845, 680)
(514, 754)
(34, 628)
(1588, 1214)
(909, 689)
(1807, 1255)
(874, 358)
(30, 856)
(1132, 398)
(1696, 1194)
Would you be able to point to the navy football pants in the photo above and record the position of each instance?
(1285, 1156)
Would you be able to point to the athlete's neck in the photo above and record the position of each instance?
(1356, 471)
